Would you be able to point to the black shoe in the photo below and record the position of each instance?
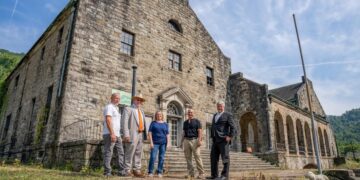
(211, 177)
(222, 178)
(107, 175)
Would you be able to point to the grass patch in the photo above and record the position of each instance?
(36, 172)
(350, 164)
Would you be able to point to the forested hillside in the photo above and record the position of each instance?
(347, 130)
(8, 61)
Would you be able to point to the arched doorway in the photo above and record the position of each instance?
(249, 134)
(321, 140)
(300, 136)
(308, 139)
(279, 131)
(174, 120)
(327, 143)
(291, 135)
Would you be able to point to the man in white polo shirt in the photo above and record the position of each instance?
(111, 135)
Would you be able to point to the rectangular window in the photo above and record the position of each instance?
(29, 136)
(60, 35)
(174, 60)
(7, 124)
(42, 53)
(17, 81)
(209, 76)
(48, 103)
(127, 43)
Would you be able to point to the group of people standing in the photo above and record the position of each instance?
(125, 133)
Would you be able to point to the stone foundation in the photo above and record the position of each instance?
(294, 161)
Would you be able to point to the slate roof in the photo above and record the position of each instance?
(287, 92)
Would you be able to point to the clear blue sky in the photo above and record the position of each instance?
(258, 36)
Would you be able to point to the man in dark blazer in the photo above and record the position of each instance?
(222, 131)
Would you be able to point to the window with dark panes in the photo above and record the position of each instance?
(7, 124)
(174, 25)
(60, 35)
(127, 43)
(209, 76)
(42, 53)
(17, 81)
(174, 60)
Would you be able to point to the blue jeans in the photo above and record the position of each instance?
(161, 148)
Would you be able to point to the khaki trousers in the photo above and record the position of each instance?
(191, 148)
(133, 153)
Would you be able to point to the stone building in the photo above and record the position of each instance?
(55, 96)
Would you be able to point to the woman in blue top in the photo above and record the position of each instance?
(159, 138)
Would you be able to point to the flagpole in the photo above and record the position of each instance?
(315, 137)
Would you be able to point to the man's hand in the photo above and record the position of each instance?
(228, 138)
(113, 138)
(167, 145)
(126, 139)
(199, 143)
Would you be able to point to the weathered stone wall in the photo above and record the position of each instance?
(35, 77)
(250, 97)
(297, 160)
(303, 100)
(97, 65)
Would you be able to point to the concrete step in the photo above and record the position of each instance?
(176, 163)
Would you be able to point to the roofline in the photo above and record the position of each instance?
(66, 8)
(306, 113)
(286, 86)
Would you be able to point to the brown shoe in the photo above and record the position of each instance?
(138, 174)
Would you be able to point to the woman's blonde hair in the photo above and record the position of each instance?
(162, 115)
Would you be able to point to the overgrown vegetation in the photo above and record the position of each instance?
(8, 61)
(40, 125)
(347, 131)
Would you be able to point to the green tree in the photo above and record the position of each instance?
(8, 61)
(352, 148)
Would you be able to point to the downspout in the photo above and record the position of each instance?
(60, 90)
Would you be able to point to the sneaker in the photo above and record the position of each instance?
(160, 175)
(201, 176)
(151, 175)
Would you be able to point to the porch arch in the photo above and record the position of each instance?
(249, 133)
(291, 135)
(279, 131)
(300, 137)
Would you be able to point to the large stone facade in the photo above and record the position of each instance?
(56, 95)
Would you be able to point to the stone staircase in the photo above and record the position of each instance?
(176, 164)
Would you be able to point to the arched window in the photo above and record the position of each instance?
(175, 25)
(172, 109)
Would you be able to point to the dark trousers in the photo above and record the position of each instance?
(217, 149)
